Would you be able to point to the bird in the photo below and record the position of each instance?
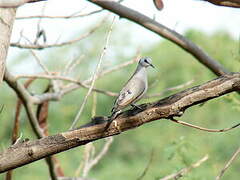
(134, 89)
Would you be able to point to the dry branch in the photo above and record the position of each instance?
(15, 3)
(42, 46)
(28, 151)
(55, 96)
(150, 24)
(185, 170)
(59, 17)
(27, 101)
(234, 156)
(227, 3)
(7, 17)
(93, 79)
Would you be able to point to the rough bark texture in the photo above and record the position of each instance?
(227, 3)
(7, 16)
(28, 151)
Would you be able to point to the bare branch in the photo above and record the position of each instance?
(147, 167)
(204, 129)
(93, 79)
(39, 99)
(16, 126)
(44, 68)
(92, 162)
(173, 36)
(101, 74)
(60, 17)
(180, 86)
(27, 101)
(15, 3)
(227, 3)
(175, 105)
(72, 64)
(55, 96)
(234, 156)
(184, 171)
(42, 46)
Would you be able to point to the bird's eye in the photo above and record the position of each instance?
(145, 60)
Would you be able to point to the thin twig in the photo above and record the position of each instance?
(39, 61)
(45, 69)
(89, 148)
(234, 156)
(94, 78)
(42, 46)
(55, 96)
(204, 129)
(15, 3)
(147, 167)
(39, 99)
(180, 86)
(92, 162)
(94, 106)
(101, 74)
(185, 170)
(59, 17)
(72, 64)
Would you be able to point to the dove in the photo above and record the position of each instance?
(134, 89)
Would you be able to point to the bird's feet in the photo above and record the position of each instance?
(114, 115)
(136, 106)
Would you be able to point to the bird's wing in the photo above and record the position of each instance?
(133, 90)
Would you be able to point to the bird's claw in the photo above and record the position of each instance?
(136, 106)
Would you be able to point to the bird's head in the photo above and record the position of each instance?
(146, 62)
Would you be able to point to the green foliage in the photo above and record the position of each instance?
(174, 146)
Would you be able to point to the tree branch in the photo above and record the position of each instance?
(173, 36)
(227, 3)
(29, 151)
(75, 15)
(15, 3)
(42, 46)
(27, 101)
(76, 119)
(234, 156)
(185, 170)
(7, 17)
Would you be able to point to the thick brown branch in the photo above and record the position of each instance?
(227, 3)
(175, 105)
(150, 24)
(15, 3)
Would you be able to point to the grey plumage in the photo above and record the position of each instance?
(134, 89)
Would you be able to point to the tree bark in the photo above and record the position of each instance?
(226, 3)
(7, 17)
(29, 151)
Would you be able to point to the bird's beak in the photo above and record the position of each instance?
(152, 66)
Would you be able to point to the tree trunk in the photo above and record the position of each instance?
(7, 16)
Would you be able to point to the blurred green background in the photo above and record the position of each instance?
(174, 146)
